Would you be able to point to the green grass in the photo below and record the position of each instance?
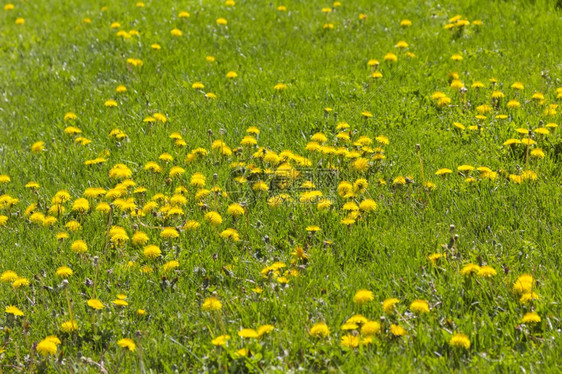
(55, 63)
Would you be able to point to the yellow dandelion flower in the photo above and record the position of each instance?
(470, 269)
(405, 23)
(531, 317)
(529, 296)
(95, 304)
(46, 347)
(362, 297)
(265, 329)
(397, 330)
(220, 341)
(119, 302)
(370, 328)
(152, 252)
(390, 57)
(127, 344)
(79, 246)
(8, 276)
(69, 326)
(64, 272)
(349, 341)
(171, 265)
(169, 233)
(419, 306)
(389, 304)
(486, 271)
(20, 282)
(211, 304)
(248, 333)
(14, 310)
(319, 330)
(460, 341)
(524, 284)
(456, 57)
(38, 147)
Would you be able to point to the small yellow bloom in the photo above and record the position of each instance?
(397, 330)
(152, 252)
(211, 304)
(46, 347)
(349, 341)
(419, 306)
(248, 333)
(69, 326)
(127, 343)
(486, 271)
(319, 330)
(95, 304)
(176, 32)
(362, 297)
(64, 272)
(531, 317)
(460, 341)
(120, 302)
(14, 311)
(38, 147)
(220, 341)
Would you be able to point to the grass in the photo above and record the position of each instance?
(55, 63)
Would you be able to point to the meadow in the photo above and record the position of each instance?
(280, 186)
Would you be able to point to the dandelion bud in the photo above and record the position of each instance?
(215, 176)
(505, 269)
(451, 228)
(418, 147)
(210, 132)
(96, 259)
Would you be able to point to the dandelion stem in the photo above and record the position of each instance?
(418, 149)
(69, 304)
